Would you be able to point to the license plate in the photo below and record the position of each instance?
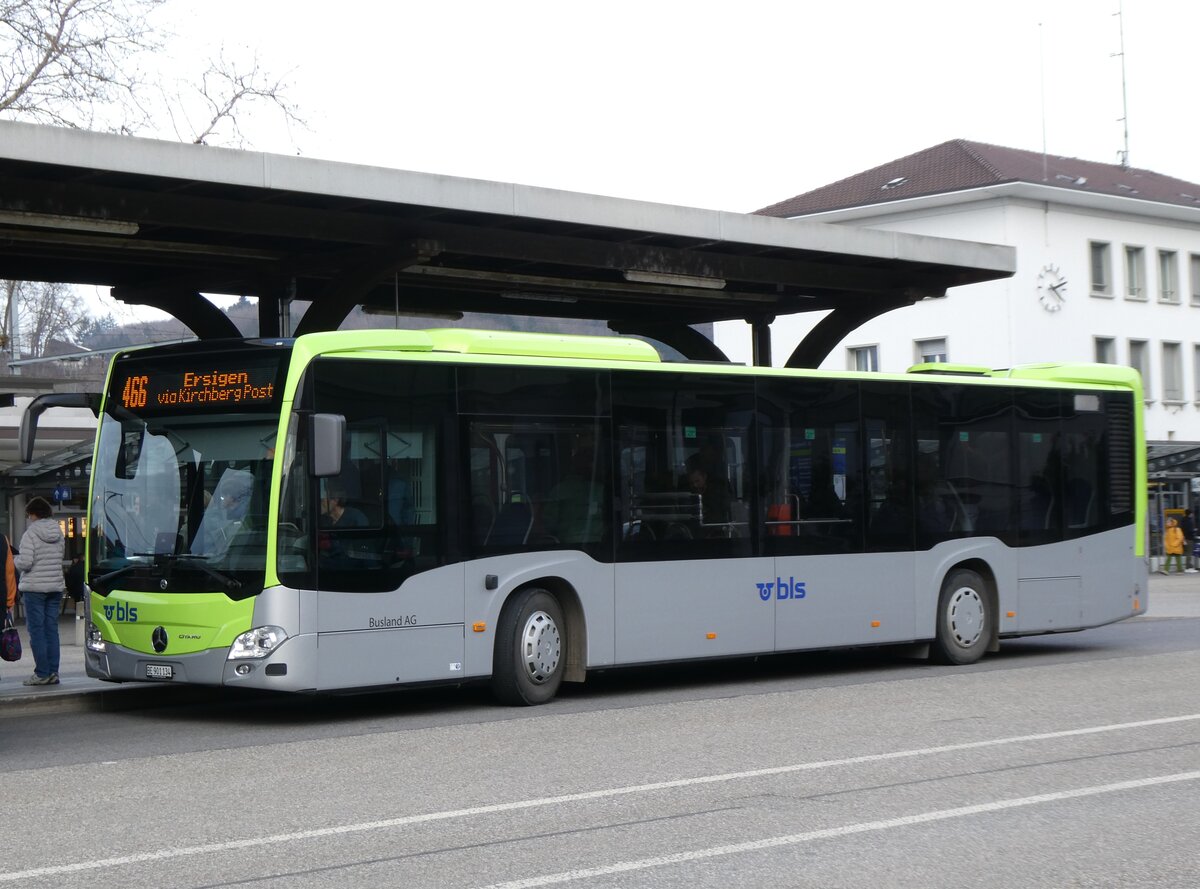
(160, 671)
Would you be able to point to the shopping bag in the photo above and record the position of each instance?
(10, 641)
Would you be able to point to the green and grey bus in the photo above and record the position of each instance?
(373, 509)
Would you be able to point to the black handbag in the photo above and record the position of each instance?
(10, 640)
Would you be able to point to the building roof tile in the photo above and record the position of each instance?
(960, 165)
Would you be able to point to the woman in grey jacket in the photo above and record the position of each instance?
(41, 585)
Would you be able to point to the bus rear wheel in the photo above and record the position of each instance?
(964, 618)
(527, 667)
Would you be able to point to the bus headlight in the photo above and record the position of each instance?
(256, 643)
(93, 640)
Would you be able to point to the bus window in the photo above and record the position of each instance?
(964, 474)
(374, 524)
(1038, 420)
(889, 480)
(812, 455)
(539, 485)
(684, 458)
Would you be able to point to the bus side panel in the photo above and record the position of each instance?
(693, 609)
(1050, 595)
(1113, 577)
(828, 601)
(413, 634)
(1081, 583)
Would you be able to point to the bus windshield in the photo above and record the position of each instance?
(182, 476)
(180, 493)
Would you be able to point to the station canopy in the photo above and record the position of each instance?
(163, 223)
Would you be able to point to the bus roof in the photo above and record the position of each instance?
(494, 346)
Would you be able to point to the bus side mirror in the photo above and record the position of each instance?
(326, 434)
(35, 408)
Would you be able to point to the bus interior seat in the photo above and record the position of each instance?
(513, 523)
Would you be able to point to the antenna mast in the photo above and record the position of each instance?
(1123, 155)
(1042, 66)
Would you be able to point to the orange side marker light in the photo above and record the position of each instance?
(710, 635)
(479, 626)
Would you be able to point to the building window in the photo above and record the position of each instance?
(931, 351)
(1194, 263)
(1196, 373)
(1101, 269)
(1172, 368)
(1135, 273)
(1106, 350)
(864, 358)
(1139, 360)
(1168, 276)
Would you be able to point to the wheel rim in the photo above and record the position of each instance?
(540, 647)
(965, 614)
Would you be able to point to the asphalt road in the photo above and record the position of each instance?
(1065, 761)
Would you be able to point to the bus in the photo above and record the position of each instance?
(366, 510)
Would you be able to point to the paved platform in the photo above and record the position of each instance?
(1171, 596)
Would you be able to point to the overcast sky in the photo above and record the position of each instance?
(728, 105)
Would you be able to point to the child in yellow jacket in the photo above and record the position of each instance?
(1173, 541)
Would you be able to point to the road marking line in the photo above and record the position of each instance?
(609, 793)
(622, 867)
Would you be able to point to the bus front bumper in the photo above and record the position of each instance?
(282, 670)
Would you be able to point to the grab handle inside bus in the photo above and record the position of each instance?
(39, 405)
(328, 431)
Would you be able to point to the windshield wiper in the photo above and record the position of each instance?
(103, 579)
(197, 562)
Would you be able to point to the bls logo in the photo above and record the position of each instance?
(122, 612)
(782, 589)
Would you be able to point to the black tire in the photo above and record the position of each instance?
(964, 618)
(527, 667)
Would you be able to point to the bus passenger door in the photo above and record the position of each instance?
(838, 514)
(687, 580)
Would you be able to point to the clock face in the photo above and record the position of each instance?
(1051, 288)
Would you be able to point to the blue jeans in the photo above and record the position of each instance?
(41, 618)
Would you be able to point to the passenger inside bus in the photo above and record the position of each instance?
(715, 496)
(335, 513)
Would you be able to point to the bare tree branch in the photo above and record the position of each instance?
(76, 63)
(227, 88)
(67, 62)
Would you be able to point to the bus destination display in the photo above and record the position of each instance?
(157, 389)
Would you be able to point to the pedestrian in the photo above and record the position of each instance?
(8, 578)
(1188, 527)
(40, 563)
(75, 579)
(1173, 542)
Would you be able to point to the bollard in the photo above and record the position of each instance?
(80, 623)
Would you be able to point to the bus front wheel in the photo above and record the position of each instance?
(527, 667)
(964, 618)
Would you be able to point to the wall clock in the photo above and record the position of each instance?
(1051, 287)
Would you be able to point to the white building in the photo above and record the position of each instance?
(1108, 269)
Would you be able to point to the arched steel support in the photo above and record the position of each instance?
(362, 275)
(191, 308)
(835, 326)
(689, 342)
